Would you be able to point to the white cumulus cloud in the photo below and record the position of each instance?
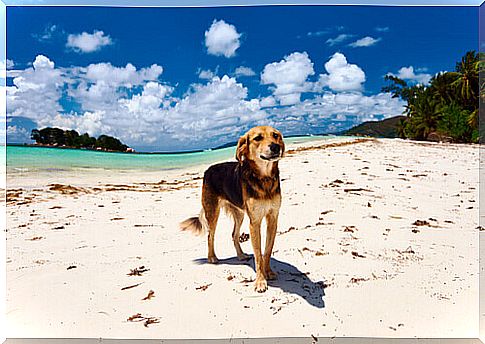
(244, 71)
(408, 73)
(341, 76)
(137, 106)
(222, 39)
(289, 77)
(88, 42)
(206, 74)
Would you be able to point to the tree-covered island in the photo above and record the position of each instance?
(56, 137)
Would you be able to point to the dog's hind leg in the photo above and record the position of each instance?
(238, 216)
(210, 203)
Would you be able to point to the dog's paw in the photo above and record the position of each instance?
(243, 257)
(260, 285)
(212, 260)
(271, 275)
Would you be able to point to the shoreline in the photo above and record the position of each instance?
(30, 178)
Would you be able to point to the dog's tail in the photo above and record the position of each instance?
(197, 225)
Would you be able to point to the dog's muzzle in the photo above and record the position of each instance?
(275, 153)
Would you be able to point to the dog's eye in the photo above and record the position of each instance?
(275, 135)
(258, 138)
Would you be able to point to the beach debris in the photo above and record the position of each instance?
(358, 279)
(408, 250)
(146, 320)
(56, 207)
(357, 255)
(357, 190)
(247, 280)
(275, 309)
(288, 230)
(393, 328)
(329, 145)
(230, 277)
(151, 294)
(150, 225)
(66, 189)
(117, 218)
(326, 212)
(350, 229)
(58, 227)
(131, 286)
(480, 228)
(315, 339)
(243, 237)
(415, 230)
(35, 238)
(424, 223)
(369, 205)
(138, 271)
(203, 287)
(421, 223)
(71, 267)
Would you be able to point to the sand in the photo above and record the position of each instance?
(376, 238)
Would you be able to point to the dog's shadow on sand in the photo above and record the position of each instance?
(290, 279)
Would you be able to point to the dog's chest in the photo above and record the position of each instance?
(261, 207)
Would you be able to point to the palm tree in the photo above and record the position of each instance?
(466, 82)
(441, 86)
(401, 128)
(424, 113)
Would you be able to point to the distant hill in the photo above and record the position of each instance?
(384, 128)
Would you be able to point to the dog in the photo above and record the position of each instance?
(249, 185)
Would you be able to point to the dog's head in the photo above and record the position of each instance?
(260, 144)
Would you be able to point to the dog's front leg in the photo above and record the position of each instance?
(272, 224)
(255, 231)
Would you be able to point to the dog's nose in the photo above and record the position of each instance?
(274, 148)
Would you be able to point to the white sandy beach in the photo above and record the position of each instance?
(376, 238)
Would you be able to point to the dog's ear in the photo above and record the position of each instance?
(282, 146)
(242, 148)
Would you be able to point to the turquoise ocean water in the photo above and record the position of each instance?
(31, 159)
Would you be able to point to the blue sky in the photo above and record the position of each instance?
(184, 78)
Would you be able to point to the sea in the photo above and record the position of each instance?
(31, 159)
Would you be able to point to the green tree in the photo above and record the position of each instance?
(401, 128)
(454, 123)
(424, 114)
(110, 143)
(466, 83)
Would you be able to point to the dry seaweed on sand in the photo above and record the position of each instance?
(203, 287)
(138, 271)
(66, 189)
(358, 279)
(243, 237)
(151, 294)
(131, 286)
(146, 320)
(356, 254)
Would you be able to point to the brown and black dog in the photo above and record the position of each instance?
(249, 185)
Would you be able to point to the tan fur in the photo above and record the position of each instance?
(261, 198)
